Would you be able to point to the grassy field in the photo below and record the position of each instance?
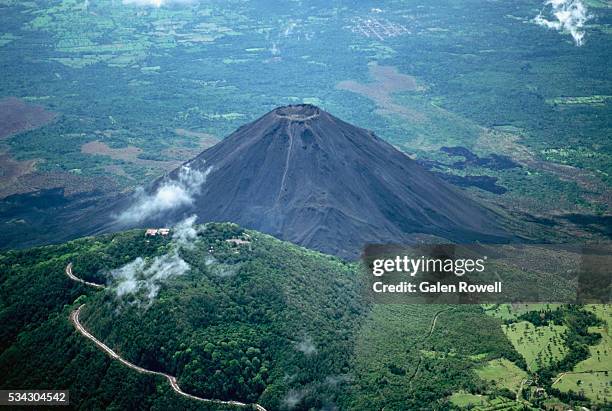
(503, 374)
(513, 311)
(465, 399)
(596, 386)
(601, 354)
(593, 376)
(544, 346)
(481, 403)
(540, 346)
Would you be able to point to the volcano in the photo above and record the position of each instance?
(303, 175)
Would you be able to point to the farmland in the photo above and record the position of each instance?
(127, 77)
(503, 373)
(592, 377)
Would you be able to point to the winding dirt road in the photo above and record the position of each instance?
(432, 327)
(74, 318)
(435, 319)
(75, 278)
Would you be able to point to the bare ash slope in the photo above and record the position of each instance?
(305, 176)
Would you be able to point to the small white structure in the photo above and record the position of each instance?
(152, 232)
(237, 241)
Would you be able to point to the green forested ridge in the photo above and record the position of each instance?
(40, 348)
(261, 314)
(404, 360)
(262, 321)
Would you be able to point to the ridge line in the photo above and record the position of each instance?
(74, 318)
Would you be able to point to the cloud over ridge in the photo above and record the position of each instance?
(567, 16)
(144, 277)
(170, 195)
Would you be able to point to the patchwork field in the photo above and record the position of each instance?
(17, 116)
(540, 346)
(128, 154)
(601, 354)
(593, 376)
(146, 78)
(386, 82)
(513, 311)
(568, 344)
(466, 400)
(431, 351)
(596, 386)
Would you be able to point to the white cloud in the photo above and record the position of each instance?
(170, 195)
(147, 277)
(565, 15)
(156, 3)
(143, 278)
(185, 232)
(306, 346)
(224, 270)
(293, 398)
(334, 380)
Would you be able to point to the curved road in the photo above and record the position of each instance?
(75, 278)
(432, 327)
(435, 319)
(74, 318)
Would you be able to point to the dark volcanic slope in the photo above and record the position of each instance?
(305, 176)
